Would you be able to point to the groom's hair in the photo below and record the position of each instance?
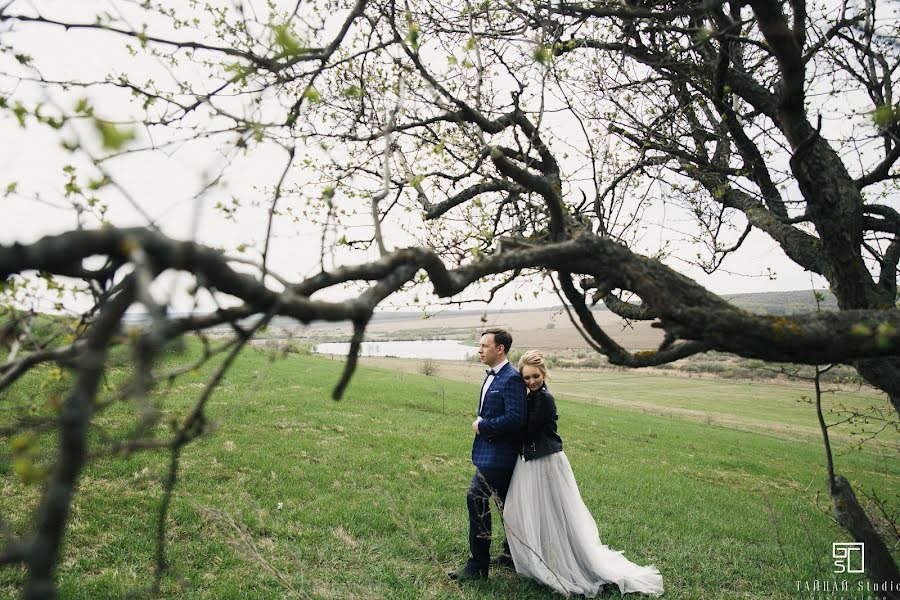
(501, 336)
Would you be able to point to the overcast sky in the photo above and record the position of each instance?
(167, 185)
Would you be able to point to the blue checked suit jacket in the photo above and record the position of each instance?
(504, 415)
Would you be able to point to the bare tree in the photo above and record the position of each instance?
(511, 141)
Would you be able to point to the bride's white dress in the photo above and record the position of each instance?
(553, 537)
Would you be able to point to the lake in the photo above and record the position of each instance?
(437, 349)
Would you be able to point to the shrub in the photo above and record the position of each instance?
(288, 346)
(428, 367)
(296, 347)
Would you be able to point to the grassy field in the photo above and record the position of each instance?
(777, 408)
(295, 495)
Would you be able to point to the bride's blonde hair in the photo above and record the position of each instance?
(534, 358)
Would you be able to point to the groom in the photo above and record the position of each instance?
(501, 417)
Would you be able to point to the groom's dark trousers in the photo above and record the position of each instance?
(494, 453)
(478, 499)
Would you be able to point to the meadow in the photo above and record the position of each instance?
(296, 495)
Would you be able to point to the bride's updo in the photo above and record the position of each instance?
(534, 358)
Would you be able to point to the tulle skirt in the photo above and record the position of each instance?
(553, 537)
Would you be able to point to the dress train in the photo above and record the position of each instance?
(553, 537)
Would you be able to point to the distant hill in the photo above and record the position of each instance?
(775, 303)
(782, 303)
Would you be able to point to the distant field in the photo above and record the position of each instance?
(530, 329)
(297, 496)
(553, 333)
(548, 329)
(780, 409)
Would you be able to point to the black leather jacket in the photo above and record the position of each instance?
(540, 437)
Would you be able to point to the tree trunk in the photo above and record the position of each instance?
(883, 373)
(879, 565)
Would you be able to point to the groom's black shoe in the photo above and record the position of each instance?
(468, 573)
(503, 560)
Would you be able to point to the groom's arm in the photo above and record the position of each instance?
(514, 414)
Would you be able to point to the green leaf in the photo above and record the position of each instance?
(240, 72)
(96, 184)
(885, 115)
(20, 112)
(72, 188)
(11, 187)
(542, 54)
(885, 332)
(352, 92)
(313, 95)
(287, 42)
(84, 107)
(412, 35)
(861, 330)
(112, 137)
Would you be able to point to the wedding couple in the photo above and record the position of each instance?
(550, 534)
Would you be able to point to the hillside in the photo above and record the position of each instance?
(783, 303)
(293, 495)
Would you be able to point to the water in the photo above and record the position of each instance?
(437, 349)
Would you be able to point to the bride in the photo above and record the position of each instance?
(552, 536)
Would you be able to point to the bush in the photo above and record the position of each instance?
(295, 347)
(428, 367)
(288, 346)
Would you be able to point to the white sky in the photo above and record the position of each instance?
(167, 184)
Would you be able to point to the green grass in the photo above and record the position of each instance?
(294, 494)
(782, 408)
